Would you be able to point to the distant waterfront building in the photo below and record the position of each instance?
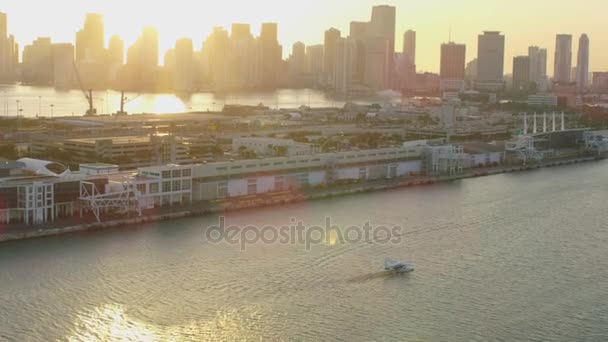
(115, 57)
(563, 59)
(346, 53)
(521, 74)
(470, 71)
(582, 65)
(358, 32)
(270, 56)
(409, 46)
(380, 47)
(37, 65)
(408, 62)
(90, 41)
(242, 56)
(538, 67)
(216, 66)
(600, 81)
(116, 51)
(142, 60)
(63, 65)
(452, 66)
(314, 63)
(297, 62)
(490, 61)
(9, 51)
(330, 47)
(183, 80)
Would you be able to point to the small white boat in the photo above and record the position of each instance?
(398, 266)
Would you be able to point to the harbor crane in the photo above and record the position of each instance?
(88, 94)
(123, 101)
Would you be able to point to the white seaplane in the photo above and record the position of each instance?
(398, 266)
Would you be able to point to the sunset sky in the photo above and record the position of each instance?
(524, 22)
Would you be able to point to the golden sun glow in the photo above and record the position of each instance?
(307, 20)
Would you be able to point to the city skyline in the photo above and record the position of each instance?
(432, 21)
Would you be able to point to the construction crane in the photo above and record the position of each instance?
(123, 101)
(88, 94)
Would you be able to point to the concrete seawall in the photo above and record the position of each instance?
(236, 205)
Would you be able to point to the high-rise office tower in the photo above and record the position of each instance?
(215, 50)
(183, 80)
(148, 48)
(409, 46)
(297, 60)
(490, 61)
(358, 33)
(538, 67)
(470, 72)
(452, 67)
(345, 63)
(582, 65)
(358, 29)
(380, 47)
(521, 73)
(563, 58)
(330, 46)
(9, 51)
(142, 59)
(453, 61)
(270, 54)
(116, 51)
(3, 44)
(314, 63)
(63, 65)
(90, 44)
(37, 66)
(406, 68)
(242, 57)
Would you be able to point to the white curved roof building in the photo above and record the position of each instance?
(44, 167)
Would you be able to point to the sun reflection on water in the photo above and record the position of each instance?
(113, 323)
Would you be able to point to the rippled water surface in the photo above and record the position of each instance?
(509, 257)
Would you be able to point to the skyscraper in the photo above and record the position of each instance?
(490, 61)
(538, 67)
(314, 63)
(409, 46)
(215, 50)
(452, 66)
(358, 33)
(270, 53)
(90, 44)
(297, 60)
(37, 66)
(116, 51)
(453, 61)
(242, 56)
(582, 65)
(142, 59)
(406, 68)
(521, 73)
(330, 46)
(345, 63)
(9, 51)
(563, 58)
(3, 44)
(63, 65)
(184, 65)
(380, 47)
